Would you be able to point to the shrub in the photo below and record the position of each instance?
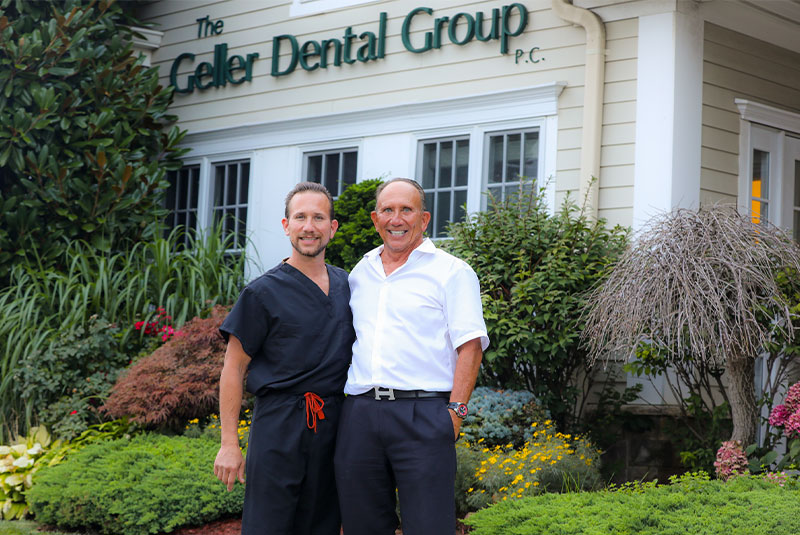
(550, 462)
(356, 234)
(83, 126)
(143, 485)
(71, 377)
(691, 504)
(178, 382)
(534, 269)
(499, 417)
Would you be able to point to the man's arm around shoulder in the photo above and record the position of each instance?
(229, 464)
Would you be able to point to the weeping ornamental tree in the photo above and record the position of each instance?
(85, 138)
(707, 283)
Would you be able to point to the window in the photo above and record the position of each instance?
(182, 195)
(443, 172)
(509, 156)
(769, 164)
(231, 182)
(333, 169)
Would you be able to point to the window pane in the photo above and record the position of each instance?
(445, 164)
(244, 183)
(797, 183)
(495, 192)
(314, 171)
(350, 168)
(242, 227)
(495, 159)
(429, 198)
(760, 187)
(194, 188)
(459, 205)
(511, 193)
(219, 184)
(442, 213)
(181, 184)
(428, 165)
(796, 226)
(332, 173)
(462, 162)
(513, 158)
(232, 184)
(172, 178)
(531, 155)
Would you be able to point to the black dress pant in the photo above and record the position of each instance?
(290, 487)
(405, 444)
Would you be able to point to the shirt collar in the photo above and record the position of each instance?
(426, 246)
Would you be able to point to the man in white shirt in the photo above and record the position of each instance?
(420, 337)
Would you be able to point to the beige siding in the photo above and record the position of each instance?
(737, 66)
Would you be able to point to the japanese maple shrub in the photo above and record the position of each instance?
(178, 382)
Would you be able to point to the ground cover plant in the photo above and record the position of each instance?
(534, 269)
(143, 485)
(691, 504)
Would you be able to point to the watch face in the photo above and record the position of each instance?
(461, 410)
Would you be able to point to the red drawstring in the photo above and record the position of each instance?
(314, 406)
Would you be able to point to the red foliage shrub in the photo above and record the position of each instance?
(179, 381)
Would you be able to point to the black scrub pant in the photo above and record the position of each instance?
(405, 444)
(290, 487)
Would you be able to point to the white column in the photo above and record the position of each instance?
(668, 114)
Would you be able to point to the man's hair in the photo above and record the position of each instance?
(414, 183)
(303, 187)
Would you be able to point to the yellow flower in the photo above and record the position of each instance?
(470, 489)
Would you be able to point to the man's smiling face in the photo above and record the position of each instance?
(309, 225)
(399, 218)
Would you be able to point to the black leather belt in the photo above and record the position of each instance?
(392, 393)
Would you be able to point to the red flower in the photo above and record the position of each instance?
(73, 412)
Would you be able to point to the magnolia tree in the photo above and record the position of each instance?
(708, 285)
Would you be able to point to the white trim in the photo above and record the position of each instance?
(768, 115)
(150, 40)
(667, 157)
(496, 107)
(302, 8)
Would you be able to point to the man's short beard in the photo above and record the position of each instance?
(310, 255)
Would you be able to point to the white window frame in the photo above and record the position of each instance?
(539, 167)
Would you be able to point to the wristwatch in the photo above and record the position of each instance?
(459, 408)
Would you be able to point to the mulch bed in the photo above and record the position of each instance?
(233, 526)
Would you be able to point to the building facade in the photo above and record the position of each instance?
(669, 103)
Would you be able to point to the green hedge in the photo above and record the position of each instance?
(144, 485)
(691, 505)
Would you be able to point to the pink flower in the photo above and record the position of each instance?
(779, 415)
(793, 397)
(792, 425)
(138, 325)
(73, 412)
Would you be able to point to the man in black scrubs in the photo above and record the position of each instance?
(291, 331)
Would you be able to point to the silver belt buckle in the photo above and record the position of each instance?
(389, 392)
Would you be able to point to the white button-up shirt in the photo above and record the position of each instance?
(408, 325)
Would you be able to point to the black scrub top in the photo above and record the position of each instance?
(299, 339)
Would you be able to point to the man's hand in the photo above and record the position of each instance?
(229, 465)
(456, 423)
